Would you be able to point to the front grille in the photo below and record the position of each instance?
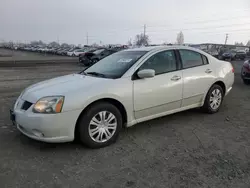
(26, 105)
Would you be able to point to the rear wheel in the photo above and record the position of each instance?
(247, 82)
(94, 61)
(100, 125)
(213, 99)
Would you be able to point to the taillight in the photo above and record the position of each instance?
(232, 68)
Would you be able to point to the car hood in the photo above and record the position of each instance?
(61, 86)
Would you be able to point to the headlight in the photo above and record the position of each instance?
(49, 105)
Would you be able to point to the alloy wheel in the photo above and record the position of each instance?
(215, 99)
(102, 126)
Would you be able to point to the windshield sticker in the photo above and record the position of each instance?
(124, 60)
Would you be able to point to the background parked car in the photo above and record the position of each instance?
(91, 58)
(240, 55)
(228, 55)
(245, 72)
(76, 52)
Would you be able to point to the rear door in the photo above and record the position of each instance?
(198, 75)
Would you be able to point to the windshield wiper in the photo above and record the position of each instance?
(96, 74)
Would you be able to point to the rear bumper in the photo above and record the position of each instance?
(228, 90)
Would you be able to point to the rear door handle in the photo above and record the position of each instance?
(208, 71)
(175, 78)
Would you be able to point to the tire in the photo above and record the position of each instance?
(94, 61)
(245, 81)
(85, 125)
(208, 106)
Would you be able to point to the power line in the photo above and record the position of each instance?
(175, 29)
(181, 29)
(246, 31)
(228, 31)
(204, 21)
(213, 15)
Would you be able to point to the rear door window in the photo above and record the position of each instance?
(190, 58)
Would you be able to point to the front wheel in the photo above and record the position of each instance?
(213, 99)
(100, 125)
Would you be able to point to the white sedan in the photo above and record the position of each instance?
(121, 90)
(77, 52)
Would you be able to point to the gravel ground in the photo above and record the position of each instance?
(187, 149)
(17, 55)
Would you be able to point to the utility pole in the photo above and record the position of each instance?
(58, 39)
(144, 34)
(226, 39)
(87, 38)
(144, 30)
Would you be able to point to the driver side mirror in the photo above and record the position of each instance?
(146, 73)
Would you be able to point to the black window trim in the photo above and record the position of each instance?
(206, 59)
(178, 64)
(179, 56)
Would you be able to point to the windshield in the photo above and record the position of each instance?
(115, 65)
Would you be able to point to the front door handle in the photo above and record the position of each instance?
(208, 71)
(175, 78)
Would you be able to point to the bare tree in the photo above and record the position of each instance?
(129, 42)
(239, 43)
(180, 38)
(64, 45)
(36, 43)
(248, 43)
(94, 45)
(54, 44)
(141, 40)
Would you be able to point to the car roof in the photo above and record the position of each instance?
(156, 48)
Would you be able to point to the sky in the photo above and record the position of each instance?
(117, 21)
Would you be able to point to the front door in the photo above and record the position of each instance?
(155, 96)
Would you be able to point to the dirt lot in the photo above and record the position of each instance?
(16, 56)
(187, 149)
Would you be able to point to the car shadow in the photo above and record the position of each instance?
(137, 129)
(42, 146)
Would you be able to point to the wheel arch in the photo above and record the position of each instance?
(218, 82)
(113, 101)
(222, 85)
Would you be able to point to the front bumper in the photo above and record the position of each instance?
(52, 128)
